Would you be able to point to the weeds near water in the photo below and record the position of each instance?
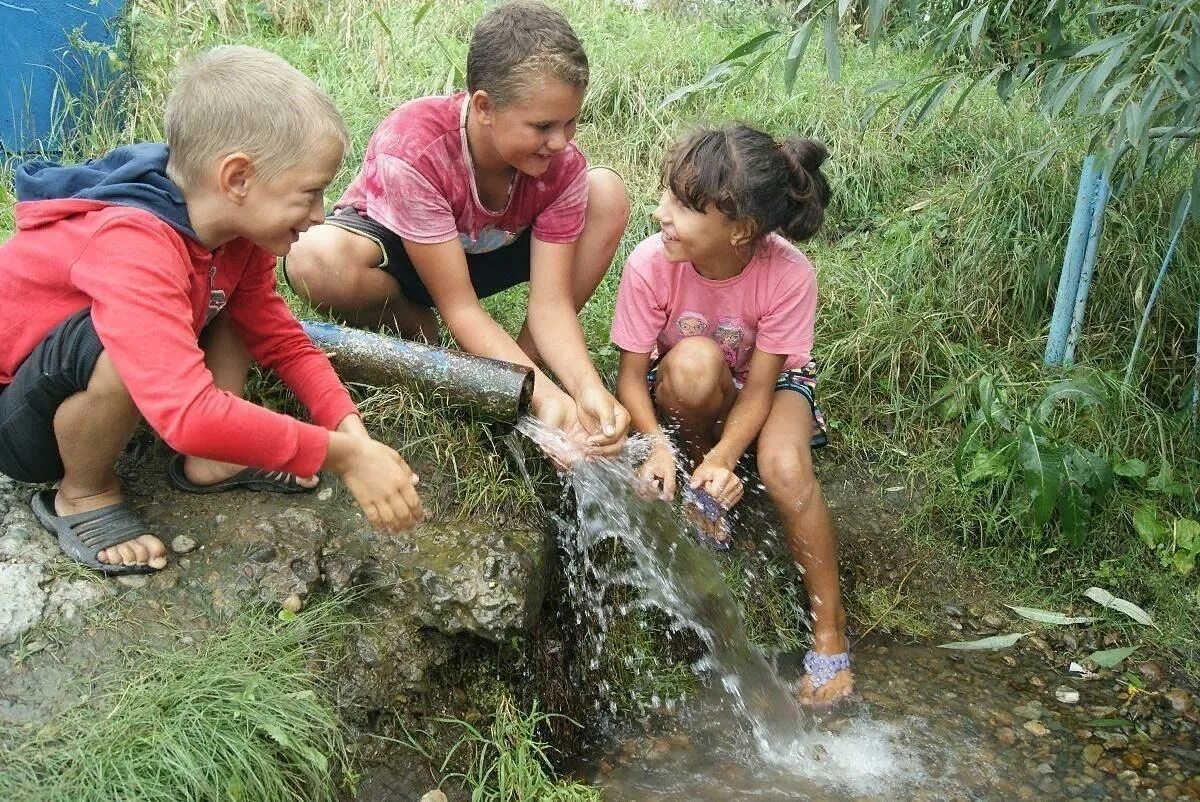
(243, 715)
(508, 761)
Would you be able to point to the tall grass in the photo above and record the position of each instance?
(241, 716)
(938, 264)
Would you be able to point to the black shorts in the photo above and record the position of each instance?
(57, 369)
(491, 272)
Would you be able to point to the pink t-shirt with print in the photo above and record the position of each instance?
(417, 180)
(771, 305)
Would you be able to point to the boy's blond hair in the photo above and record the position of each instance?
(235, 99)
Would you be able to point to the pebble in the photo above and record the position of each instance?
(1092, 754)
(1134, 760)
(183, 544)
(1066, 694)
(294, 604)
(133, 580)
(434, 796)
(325, 494)
(1035, 728)
(1181, 701)
(1032, 711)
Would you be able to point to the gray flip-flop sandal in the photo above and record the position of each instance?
(84, 535)
(246, 479)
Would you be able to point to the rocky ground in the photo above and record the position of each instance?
(442, 590)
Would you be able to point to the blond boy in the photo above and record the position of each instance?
(141, 285)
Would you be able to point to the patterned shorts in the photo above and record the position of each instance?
(801, 380)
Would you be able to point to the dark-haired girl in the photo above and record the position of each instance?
(714, 320)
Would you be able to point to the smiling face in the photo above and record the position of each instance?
(702, 238)
(527, 133)
(275, 212)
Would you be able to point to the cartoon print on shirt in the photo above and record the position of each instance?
(729, 334)
(691, 323)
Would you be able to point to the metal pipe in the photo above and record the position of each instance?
(1089, 265)
(1068, 280)
(488, 387)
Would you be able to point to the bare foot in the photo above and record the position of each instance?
(208, 472)
(142, 550)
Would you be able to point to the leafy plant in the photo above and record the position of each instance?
(1176, 544)
(1054, 478)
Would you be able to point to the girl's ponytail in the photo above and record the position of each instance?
(808, 190)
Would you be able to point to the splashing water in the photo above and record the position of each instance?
(672, 572)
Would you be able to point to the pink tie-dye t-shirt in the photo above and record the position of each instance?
(771, 305)
(418, 181)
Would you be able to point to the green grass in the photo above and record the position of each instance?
(507, 760)
(243, 715)
(938, 265)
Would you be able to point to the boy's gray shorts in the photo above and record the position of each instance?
(57, 369)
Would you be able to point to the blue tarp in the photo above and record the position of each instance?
(42, 65)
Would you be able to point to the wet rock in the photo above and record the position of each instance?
(1180, 700)
(1006, 736)
(183, 544)
(1035, 728)
(1152, 672)
(1092, 753)
(1134, 760)
(1066, 694)
(22, 601)
(1032, 710)
(1116, 742)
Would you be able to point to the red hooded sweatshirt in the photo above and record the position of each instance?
(113, 235)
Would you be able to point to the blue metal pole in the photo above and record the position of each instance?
(1162, 273)
(1088, 267)
(1068, 280)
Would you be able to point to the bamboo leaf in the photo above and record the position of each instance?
(934, 98)
(795, 53)
(875, 12)
(1097, 75)
(1049, 616)
(833, 55)
(994, 642)
(1106, 599)
(977, 26)
(1110, 658)
(1095, 48)
(749, 46)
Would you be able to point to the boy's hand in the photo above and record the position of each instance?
(658, 472)
(376, 475)
(718, 481)
(604, 420)
(558, 411)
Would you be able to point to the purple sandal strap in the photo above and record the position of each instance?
(821, 668)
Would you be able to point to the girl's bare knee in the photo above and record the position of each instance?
(787, 473)
(608, 201)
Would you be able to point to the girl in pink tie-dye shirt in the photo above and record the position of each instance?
(464, 196)
(714, 320)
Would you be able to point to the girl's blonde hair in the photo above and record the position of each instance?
(235, 99)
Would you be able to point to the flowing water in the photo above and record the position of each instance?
(924, 724)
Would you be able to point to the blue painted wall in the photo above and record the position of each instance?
(37, 63)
